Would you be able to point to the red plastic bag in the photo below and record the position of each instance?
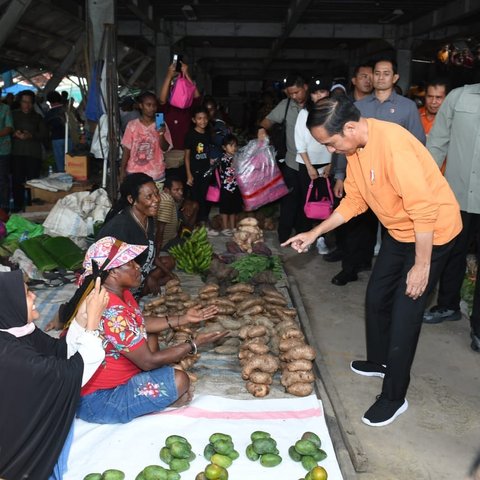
(182, 93)
(259, 179)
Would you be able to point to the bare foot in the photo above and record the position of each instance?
(185, 399)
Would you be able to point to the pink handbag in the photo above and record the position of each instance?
(316, 209)
(213, 192)
(182, 93)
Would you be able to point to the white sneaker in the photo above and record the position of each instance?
(227, 232)
(212, 233)
(322, 246)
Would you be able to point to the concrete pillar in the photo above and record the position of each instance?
(100, 12)
(404, 62)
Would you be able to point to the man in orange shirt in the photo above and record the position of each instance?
(434, 96)
(422, 219)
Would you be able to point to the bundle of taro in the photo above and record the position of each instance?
(248, 238)
(258, 365)
(296, 358)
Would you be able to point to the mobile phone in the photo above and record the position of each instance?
(175, 59)
(178, 63)
(159, 121)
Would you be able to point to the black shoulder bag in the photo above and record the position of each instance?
(278, 136)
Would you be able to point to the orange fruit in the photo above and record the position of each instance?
(318, 473)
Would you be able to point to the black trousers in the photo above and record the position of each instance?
(23, 168)
(357, 239)
(394, 320)
(452, 277)
(292, 216)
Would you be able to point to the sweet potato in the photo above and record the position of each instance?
(257, 389)
(254, 331)
(275, 301)
(292, 333)
(299, 365)
(255, 310)
(261, 248)
(208, 288)
(240, 287)
(238, 297)
(228, 322)
(265, 363)
(249, 302)
(208, 295)
(289, 378)
(300, 389)
(172, 283)
(226, 349)
(259, 348)
(173, 290)
(305, 352)
(261, 377)
(286, 344)
(155, 303)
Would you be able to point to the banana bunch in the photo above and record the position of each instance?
(195, 254)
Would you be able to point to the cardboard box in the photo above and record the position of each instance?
(77, 166)
(52, 197)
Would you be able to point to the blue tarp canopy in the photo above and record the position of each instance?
(17, 87)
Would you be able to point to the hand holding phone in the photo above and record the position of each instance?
(159, 121)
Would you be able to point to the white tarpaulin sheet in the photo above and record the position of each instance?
(133, 446)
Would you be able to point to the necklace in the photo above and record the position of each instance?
(142, 226)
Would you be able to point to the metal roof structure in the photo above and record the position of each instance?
(236, 39)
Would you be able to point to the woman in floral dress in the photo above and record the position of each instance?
(133, 380)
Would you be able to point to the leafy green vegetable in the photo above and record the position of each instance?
(249, 265)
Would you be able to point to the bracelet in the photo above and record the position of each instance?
(193, 345)
(168, 322)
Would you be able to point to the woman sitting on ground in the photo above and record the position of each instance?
(41, 377)
(132, 220)
(133, 380)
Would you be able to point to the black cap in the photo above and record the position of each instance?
(320, 82)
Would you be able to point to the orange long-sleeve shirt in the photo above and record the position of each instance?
(395, 175)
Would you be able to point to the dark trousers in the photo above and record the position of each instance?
(4, 184)
(452, 277)
(394, 320)
(23, 168)
(198, 192)
(357, 239)
(291, 207)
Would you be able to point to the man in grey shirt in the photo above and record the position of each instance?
(291, 206)
(455, 135)
(385, 104)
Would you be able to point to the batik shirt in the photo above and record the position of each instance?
(227, 173)
(122, 328)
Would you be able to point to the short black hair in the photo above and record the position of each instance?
(389, 60)
(294, 79)
(169, 181)
(144, 95)
(199, 109)
(228, 139)
(54, 97)
(26, 93)
(332, 114)
(438, 82)
(361, 65)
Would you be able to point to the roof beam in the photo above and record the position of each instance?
(10, 18)
(449, 14)
(260, 53)
(294, 12)
(142, 9)
(182, 29)
(62, 70)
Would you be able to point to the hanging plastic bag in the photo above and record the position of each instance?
(182, 93)
(259, 179)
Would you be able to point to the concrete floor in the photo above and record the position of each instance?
(439, 435)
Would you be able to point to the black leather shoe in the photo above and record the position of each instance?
(343, 278)
(334, 256)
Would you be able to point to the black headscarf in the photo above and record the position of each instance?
(40, 390)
